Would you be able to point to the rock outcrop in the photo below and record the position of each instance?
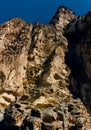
(63, 17)
(79, 38)
(45, 73)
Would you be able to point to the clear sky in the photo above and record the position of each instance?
(39, 10)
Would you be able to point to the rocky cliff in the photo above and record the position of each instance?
(45, 74)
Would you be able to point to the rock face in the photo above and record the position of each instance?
(63, 17)
(79, 37)
(14, 45)
(45, 73)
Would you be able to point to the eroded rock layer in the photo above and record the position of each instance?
(41, 71)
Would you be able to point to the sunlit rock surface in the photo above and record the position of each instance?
(45, 73)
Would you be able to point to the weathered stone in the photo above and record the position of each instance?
(63, 17)
(35, 113)
(45, 73)
(49, 116)
(79, 47)
(81, 121)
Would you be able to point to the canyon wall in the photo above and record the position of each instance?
(45, 73)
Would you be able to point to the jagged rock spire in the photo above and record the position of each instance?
(62, 17)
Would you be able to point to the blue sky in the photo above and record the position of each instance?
(39, 10)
